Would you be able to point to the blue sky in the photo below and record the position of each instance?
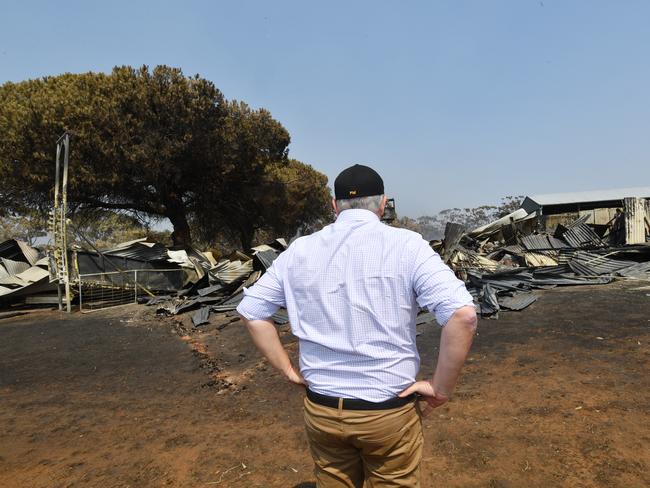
(455, 103)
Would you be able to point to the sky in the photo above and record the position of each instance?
(455, 103)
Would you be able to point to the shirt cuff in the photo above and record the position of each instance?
(444, 312)
(253, 308)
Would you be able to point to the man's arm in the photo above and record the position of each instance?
(455, 341)
(437, 289)
(261, 301)
(266, 339)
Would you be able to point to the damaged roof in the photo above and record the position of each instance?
(533, 202)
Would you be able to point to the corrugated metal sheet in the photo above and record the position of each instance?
(639, 270)
(518, 301)
(201, 316)
(230, 271)
(14, 267)
(538, 259)
(634, 220)
(582, 236)
(142, 251)
(515, 216)
(31, 254)
(587, 264)
(542, 242)
(19, 251)
(263, 259)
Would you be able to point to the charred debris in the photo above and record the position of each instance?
(503, 264)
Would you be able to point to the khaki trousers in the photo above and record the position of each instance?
(381, 447)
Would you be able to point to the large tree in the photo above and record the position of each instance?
(153, 142)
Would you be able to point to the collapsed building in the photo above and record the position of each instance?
(588, 238)
(602, 211)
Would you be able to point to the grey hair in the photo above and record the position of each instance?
(372, 203)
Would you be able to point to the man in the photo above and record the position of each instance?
(352, 291)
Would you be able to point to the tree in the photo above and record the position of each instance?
(509, 204)
(28, 228)
(433, 227)
(151, 142)
(107, 228)
(281, 199)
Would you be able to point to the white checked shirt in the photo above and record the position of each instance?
(352, 292)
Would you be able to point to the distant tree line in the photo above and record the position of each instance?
(153, 144)
(433, 227)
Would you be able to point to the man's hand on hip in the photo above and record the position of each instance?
(427, 393)
(294, 376)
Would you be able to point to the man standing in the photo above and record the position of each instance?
(352, 291)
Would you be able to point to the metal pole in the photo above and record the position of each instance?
(55, 230)
(64, 206)
(135, 284)
(80, 297)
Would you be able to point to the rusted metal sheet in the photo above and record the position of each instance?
(635, 213)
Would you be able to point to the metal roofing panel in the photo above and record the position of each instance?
(541, 242)
(639, 270)
(265, 258)
(140, 250)
(581, 235)
(518, 301)
(14, 267)
(19, 251)
(10, 250)
(231, 271)
(33, 274)
(591, 196)
(29, 252)
(201, 316)
(518, 214)
(588, 264)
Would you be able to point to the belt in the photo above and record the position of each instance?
(356, 404)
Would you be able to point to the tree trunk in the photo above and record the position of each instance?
(175, 212)
(246, 234)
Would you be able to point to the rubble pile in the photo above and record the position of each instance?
(505, 261)
(502, 263)
(220, 287)
(23, 271)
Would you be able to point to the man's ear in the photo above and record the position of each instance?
(334, 206)
(382, 206)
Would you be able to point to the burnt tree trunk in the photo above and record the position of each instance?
(246, 234)
(177, 215)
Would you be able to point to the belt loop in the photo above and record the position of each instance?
(340, 407)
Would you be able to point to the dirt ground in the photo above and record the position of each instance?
(556, 395)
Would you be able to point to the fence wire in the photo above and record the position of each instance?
(102, 290)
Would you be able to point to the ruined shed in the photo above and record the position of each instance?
(597, 208)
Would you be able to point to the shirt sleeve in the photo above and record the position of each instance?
(435, 285)
(266, 296)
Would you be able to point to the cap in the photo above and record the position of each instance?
(358, 181)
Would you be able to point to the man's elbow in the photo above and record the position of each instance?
(465, 317)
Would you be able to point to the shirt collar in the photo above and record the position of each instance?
(357, 215)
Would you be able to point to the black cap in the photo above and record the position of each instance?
(358, 181)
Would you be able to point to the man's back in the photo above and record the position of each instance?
(352, 292)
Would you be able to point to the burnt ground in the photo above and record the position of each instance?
(556, 395)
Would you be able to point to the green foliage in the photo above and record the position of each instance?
(152, 142)
(283, 197)
(107, 228)
(28, 228)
